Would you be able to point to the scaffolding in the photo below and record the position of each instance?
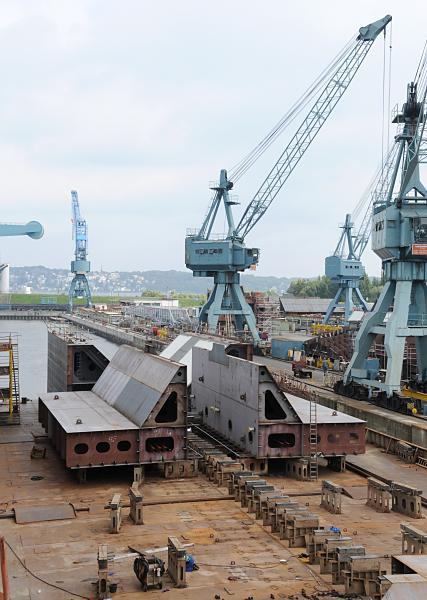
(159, 315)
(10, 396)
(409, 366)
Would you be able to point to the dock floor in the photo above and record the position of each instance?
(389, 467)
(237, 556)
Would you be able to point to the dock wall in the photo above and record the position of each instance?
(114, 334)
(391, 424)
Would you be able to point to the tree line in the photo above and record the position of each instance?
(323, 287)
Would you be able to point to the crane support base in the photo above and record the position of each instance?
(409, 300)
(228, 300)
(346, 290)
(79, 288)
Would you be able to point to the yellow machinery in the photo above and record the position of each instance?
(319, 363)
(319, 328)
(418, 403)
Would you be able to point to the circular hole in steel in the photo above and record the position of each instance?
(81, 448)
(102, 447)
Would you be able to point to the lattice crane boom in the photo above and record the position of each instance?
(79, 230)
(310, 127)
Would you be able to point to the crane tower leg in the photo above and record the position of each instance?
(406, 319)
(211, 311)
(227, 299)
(366, 335)
(421, 342)
(395, 337)
(348, 303)
(362, 300)
(346, 289)
(333, 305)
(79, 288)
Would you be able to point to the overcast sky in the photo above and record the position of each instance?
(138, 104)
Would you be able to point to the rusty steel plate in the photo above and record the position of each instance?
(48, 512)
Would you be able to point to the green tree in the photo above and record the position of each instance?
(371, 287)
(323, 287)
(320, 287)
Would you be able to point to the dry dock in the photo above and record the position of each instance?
(236, 554)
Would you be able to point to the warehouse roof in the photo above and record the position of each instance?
(293, 336)
(305, 305)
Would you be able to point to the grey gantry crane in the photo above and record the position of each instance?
(79, 287)
(224, 257)
(345, 266)
(399, 238)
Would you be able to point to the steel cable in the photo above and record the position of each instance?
(244, 165)
(53, 585)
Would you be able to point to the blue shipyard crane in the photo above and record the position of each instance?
(224, 257)
(399, 238)
(79, 287)
(344, 266)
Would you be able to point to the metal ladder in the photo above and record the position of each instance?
(313, 459)
(16, 392)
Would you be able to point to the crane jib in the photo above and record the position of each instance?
(302, 139)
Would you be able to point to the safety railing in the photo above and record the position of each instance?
(417, 320)
(217, 237)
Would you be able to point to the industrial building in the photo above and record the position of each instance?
(289, 345)
(295, 307)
